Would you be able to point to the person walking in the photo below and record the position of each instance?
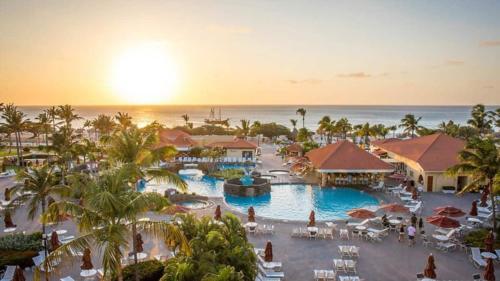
(411, 235)
(401, 233)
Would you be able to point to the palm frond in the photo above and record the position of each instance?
(165, 231)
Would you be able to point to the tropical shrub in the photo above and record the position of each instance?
(271, 130)
(227, 174)
(476, 238)
(151, 270)
(21, 242)
(21, 258)
(218, 252)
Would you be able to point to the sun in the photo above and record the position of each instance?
(144, 74)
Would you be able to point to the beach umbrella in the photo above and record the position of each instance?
(430, 268)
(473, 209)
(268, 253)
(18, 275)
(394, 208)
(218, 213)
(449, 211)
(312, 219)
(138, 243)
(251, 214)
(443, 221)
(54, 240)
(484, 197)
(86, 260)
(8, 220)
(6, 194)
(489, 241)
(489, 271)
(414, 194)
(361, 214)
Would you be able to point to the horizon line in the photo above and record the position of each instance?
(249, 105)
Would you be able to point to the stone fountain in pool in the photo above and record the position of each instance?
(247, 186)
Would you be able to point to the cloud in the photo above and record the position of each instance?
(306, 81)
(489, 87)
(454, 62)
(356, 75)
(490, 43)
(228, 29)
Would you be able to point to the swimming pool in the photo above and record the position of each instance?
(295, 202)
(199, 184)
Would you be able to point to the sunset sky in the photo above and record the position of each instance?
(250, 52)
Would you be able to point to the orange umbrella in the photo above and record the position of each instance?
(86, 260)
(443, 221)
(449, 211)
(251, 214)
(394, 208)
(218, 213)
(18, 275)
(6, 194)
(414, 194)
(361, 214)
(139, 243)
(489, 271)
(54, 240)
(268, 253)
(489, 241)
(473, 209)
(484, 197)
(312, 219)
(430, 269)
(8, 220)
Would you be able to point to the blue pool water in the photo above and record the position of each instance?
(295, 202)
(235, 166)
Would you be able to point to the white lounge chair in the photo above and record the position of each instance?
(9, 273)
(270, 273)
(67, 278)
(475, 257)
(339, 265)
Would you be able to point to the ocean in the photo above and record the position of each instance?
(281, 114)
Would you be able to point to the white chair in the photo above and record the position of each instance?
(67, 278)
(9, 273)
(339, 265)
(344, 234)
(350, 266)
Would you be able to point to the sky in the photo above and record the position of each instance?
(250, 52)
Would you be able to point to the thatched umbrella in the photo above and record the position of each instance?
(473, 209)
(414, 194)
(18, 275)
(484, 197)
(8, 220)
(54, 240)
(443, 221)
(251, 214)
(86, 260)
(394, 208)
(6, 194)
(430, 268)
(489, 241)
(489, 271)
(361, 214)
(268, 253)
(218, 213)
(138, 243)
(312, 219)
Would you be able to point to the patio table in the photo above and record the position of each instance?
(441, 237)
(88, 273)
(10, 229)
(312, 229)
(488, 255)
(394, 221)
(360, 227)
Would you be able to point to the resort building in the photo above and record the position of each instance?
(237, 148)
(425, 160)
(181, 140)
(294, 150)
(344, 163)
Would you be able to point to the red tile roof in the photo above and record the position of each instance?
(236, 144)
(346, 156)
(172, 134)
(435, 152)
(294, 147)
(377, 142)
(176, 138)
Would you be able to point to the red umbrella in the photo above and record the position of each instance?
(139, 243)
(268, 253)
(414, 194)
(430, 269)
(489, 271)
(312, 219)
(218, 213)
(473, 209)
(443, 221)
(86, 260)
(361, 214)
(6, 194)
(54, 240)
(251, 214)
(394, 208)
(449, 211)
(18, 275)
(489, 241)
(484, 197)
(8, 220)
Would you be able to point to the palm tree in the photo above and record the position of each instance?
(107, 215)
(381, 130)
(103, 124)
(40, 184)
(410, 124)
(244, 130)
(449, 128)
(67, 115)
(64, 142)
(302, 112)
(186, 119)
(123, 119)
(365, 131)
(327, 127)
(480, 119)
(393, 128)
(481, 160)
(52, 113)
(15, 123)
(255, 130)
(343, 127)
(44, 124)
